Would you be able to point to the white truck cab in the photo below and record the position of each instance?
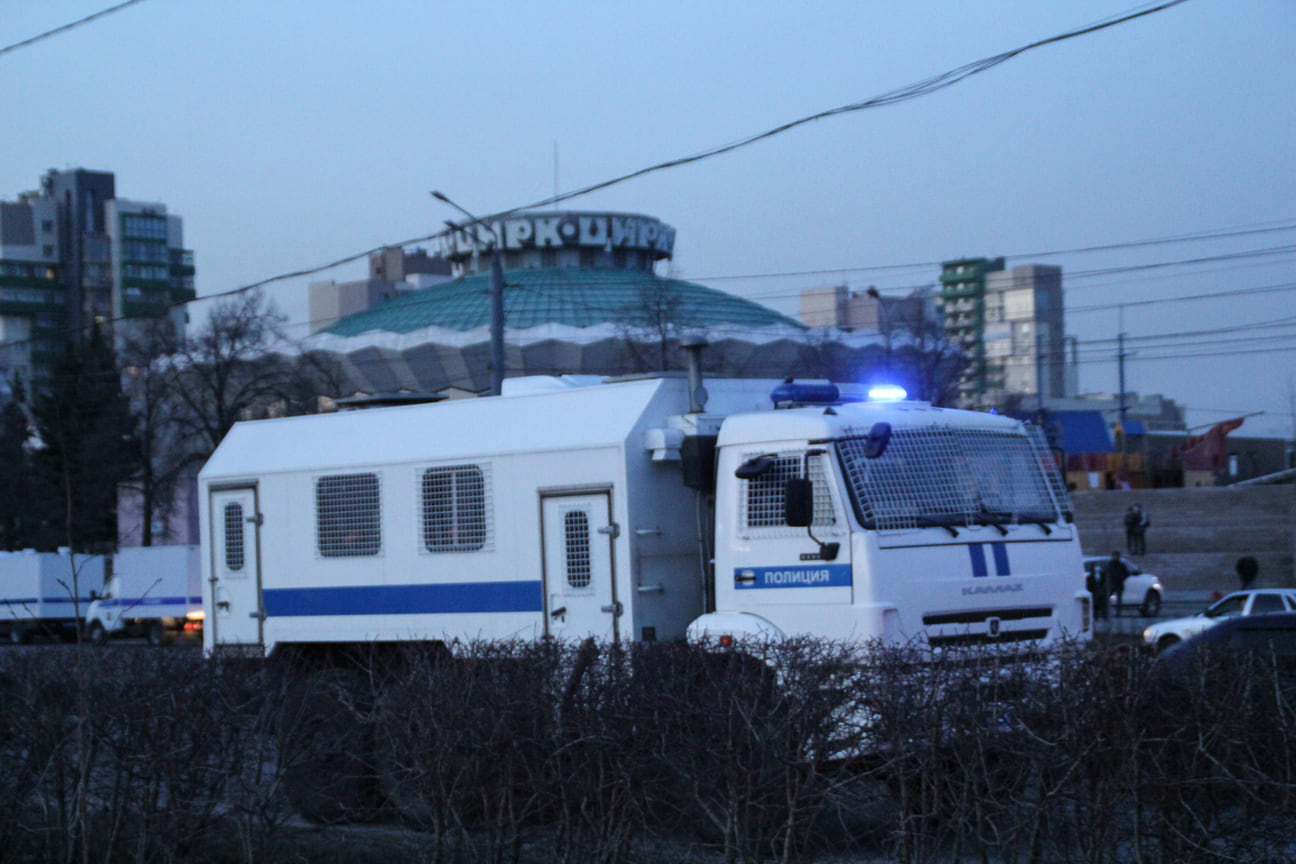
(915, 522)
(154, 592)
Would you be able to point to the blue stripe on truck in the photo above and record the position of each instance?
(152, 601)
(29, 601)
(405, 599)
(1000, 551)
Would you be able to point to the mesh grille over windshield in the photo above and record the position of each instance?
(943, 475)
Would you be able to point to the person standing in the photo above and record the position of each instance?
(1141, 522)
(1248, 568)
(1097, 584)
(1133, 518)
(1117, 573)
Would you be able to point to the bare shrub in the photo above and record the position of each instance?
(462, 742)
(1219, 762)
(38, 734)
(744, 741)
(599, 766)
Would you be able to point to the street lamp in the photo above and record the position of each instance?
(496, 297)
(885, 321)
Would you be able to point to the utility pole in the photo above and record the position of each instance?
(496, 295)
(884, 322)
(1040, 371)
(1120, 363)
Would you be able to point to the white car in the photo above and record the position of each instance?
(1257, 601)
(1143, 591)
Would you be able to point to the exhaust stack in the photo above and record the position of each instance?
(693, 346)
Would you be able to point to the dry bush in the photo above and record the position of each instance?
(529, 752)
(745, 742)
(462, 739)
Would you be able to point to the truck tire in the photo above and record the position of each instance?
(155, 633)
(18, 635)
(98, 635)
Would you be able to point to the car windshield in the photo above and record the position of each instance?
(1229, 607)
(947, 476)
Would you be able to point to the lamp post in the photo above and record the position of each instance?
(496, 297)
(884, 319)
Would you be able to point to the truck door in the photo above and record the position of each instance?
(236, 579)
(578, 534)
(776, 567)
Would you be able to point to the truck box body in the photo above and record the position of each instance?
(607, 510)
(525, 515)
(161, 584)
(37, 590)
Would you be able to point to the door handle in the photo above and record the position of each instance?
(613, 607)
(222, 605)
(560, 612)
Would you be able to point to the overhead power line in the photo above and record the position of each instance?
(925, 87)
(66, 27)
(1198, 236)
(912, 91)
(916, 90)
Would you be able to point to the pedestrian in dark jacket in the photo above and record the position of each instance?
(1136, 525)
(1096, 582)
(1117, 573)
(1248, 568)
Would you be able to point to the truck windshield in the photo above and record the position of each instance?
(947, 476)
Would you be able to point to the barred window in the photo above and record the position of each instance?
(456, 517)
(577, 536)
(233, 536)
(763, 503)
(348, 516)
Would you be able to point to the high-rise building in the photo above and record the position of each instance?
(962, 301)
(1012, 327)
(1024, 336)
(843, 309)
(392, 272)
(74, 253)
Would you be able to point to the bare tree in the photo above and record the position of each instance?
(164, 456)
(234, 365)
(936, 364)
(650, 326)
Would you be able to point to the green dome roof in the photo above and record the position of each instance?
(571, 297)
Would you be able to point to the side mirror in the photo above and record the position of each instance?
(94, 595)
(798, 502)
(878, 438)
(754, 467)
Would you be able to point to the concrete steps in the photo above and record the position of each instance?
(1197, 534)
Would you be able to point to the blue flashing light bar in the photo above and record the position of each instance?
(888, 393)
(805, 394)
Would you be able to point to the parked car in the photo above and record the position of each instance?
(1142, 590)
(1269, 636)
(1256, 601)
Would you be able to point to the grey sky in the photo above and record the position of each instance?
(289, 134)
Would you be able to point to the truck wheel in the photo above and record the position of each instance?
(155, 633)
(1151, 604)
(98, 635)
(18, 636)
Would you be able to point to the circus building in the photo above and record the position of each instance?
(581, 296)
